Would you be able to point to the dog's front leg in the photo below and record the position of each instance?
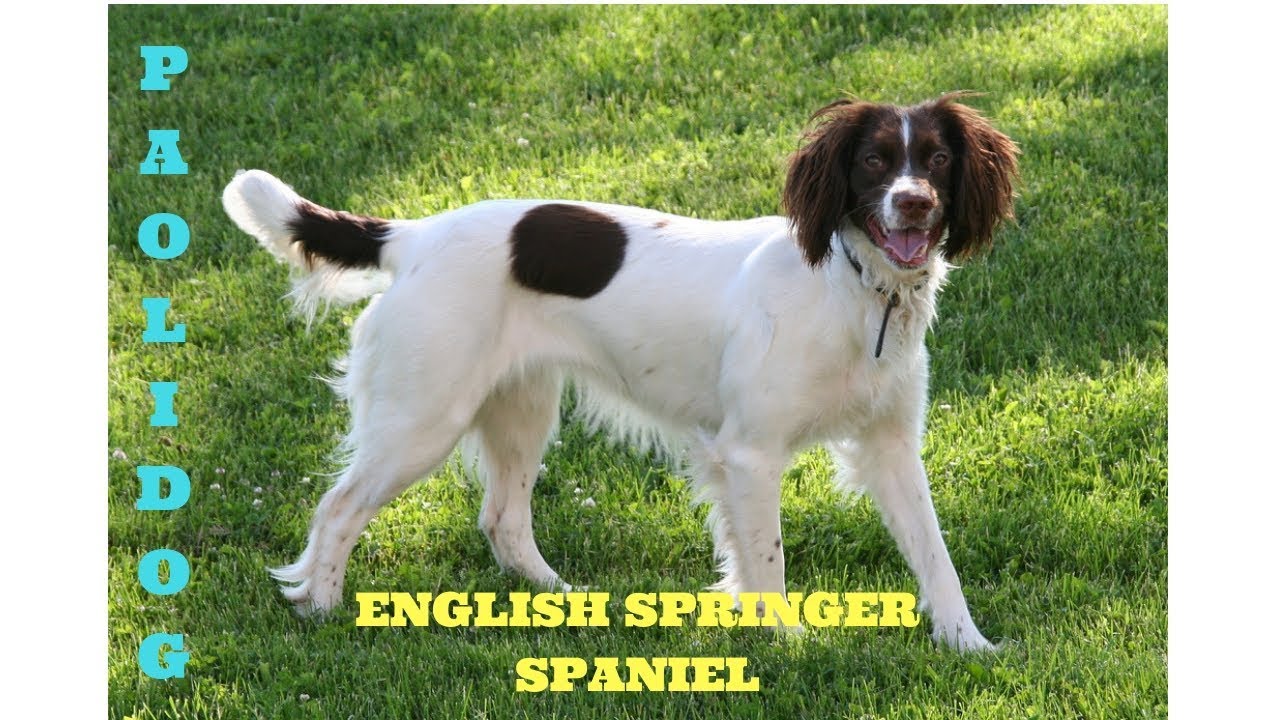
(746, 519)
(889, 467)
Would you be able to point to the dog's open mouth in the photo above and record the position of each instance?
(906, 247)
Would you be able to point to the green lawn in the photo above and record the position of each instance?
(1047, 442)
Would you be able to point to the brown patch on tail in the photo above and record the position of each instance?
(337, 237)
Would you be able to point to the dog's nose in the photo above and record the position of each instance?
(913, 205)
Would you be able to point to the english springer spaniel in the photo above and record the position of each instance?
(732, 345)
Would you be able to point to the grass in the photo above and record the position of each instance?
(1047, 443)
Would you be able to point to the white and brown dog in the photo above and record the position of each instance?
(735, 344)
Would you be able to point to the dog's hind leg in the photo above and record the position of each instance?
(514, 425)
(314, 582)
(407, 416)
(378, 474)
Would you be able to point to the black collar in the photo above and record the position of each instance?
(857, 266)
(889, 305)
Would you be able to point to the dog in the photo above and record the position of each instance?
(731, 344)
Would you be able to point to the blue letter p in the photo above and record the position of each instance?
(161, 60)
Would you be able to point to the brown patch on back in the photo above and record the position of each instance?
(661, 224)
(566, 250)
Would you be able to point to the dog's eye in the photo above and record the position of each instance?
(939, 160)
(875, 162)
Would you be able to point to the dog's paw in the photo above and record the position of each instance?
(308, 603)
(555, 585)
(962, 636)
(310, 596)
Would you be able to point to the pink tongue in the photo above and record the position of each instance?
(907, 246)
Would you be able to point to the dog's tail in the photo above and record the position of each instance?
(339, 254)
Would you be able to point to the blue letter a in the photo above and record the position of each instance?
(164, 157)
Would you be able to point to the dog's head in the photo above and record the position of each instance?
(936, 177)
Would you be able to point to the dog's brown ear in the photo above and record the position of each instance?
(816, 196)
(984, 177)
